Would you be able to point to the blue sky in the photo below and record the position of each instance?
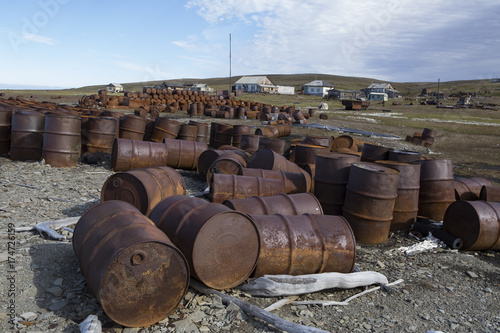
(70, 43)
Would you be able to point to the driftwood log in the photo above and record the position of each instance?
(49, 227)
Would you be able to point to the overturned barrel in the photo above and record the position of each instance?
(286, 204)
(490, 193)
(182, 154)
(469, 189)
(221, 245)
(133, 269)
(133, 154)
(477, 223)
(304, 244)
(26, 139)
(61, 139)
(227, 187)
(295, 182)
(229, 164)
(249, 142)
(369, 201)
(372, 152)
(306, 154)
(143, 188)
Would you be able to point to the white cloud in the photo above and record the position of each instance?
(39, 39)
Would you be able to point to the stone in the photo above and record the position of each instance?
(471, 274)
(185, 326)
(197, 316)
(58, 282)
(57, 305)
(131, 330)
(29, 316)
(55, 291)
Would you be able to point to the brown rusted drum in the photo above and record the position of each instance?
(206, 159)
(250, 142)
(404, 156)
(182, 154)
(133, 154)
(143, 188)
(133, 269)
(223, 135)
(304, 244)
(150, 127)
(490, 193)
(324, 141)
(372, 152)
(369, 201)
(187, 132)
(469, 189)
(406, 205)
(437, 190)
(100, 134)
(330, 180)
(269, 131)
(221, 245)
(5, 120)
(229, 164)
(277, 145)
(238, 131)
(26, 139)
(295, 182)
(476, 222)
(61, 139)
(165, 129)
(343, 141)
(428, 135)
(306, 154)
(201, 132)
(228, 187)
(286, 204)
(132, 127)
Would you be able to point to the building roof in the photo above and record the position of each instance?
(252, 80)
(380, 86)
(319, 83)
(117, 85)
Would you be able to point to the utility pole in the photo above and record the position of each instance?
(229, 63)
(438, 93)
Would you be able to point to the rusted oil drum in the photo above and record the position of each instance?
(61, 139)
(100, 134)
(404, 156)
(150, 127)
(133, 269)
(437, 190)
(476, 222)
(311, 170)
(469, 189)
(26, 139)
(304, 244)
(250, 142)
(306, 154)
(143, 188)
(324, 141)
(165, 129)
(283, 129)
(295, 182)
(428, 135)
(206, 159)
(323, 116)
(201, 132)
(229, 164)
(406, 205)
(330, 180)
(133, 154)
(221, 245)
(132, 127)
(342, 141)
(182, 154)
(5, 120)
(238, 131)
(372, 152)
(269, 131)
(223, 135)
(490, 193)
(286, 204)
(228, 187)
(187, 132)
(213, 127)
(277, 145)
(369, 201)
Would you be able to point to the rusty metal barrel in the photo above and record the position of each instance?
(250, 142)
(228, 187)
(330, 180)
(343, 141)
(133, 154)
(295, 182)
(26, 139)
(324, 141)
(304, 244)
(150, 127)
(372, 152)
(406, 205)
(165, 129)
(182, 154)
(286, 204)
(133, 269)
(61, 139)
(490, 193)
(238, 131)
(469, 189)
(207, 157)
(143, 188)
(275, 144)
(100, 134)
(369, 201)
(223, 135)
(306, 154)
(437, 190)
(5, 120)
(221, 245)
(132, 127)
(477, 223)
(404, 156)
(187, 132)
(201, 131)
(229, 164)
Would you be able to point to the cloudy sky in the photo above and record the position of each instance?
(72, 43)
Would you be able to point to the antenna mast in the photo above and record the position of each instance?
(229, 63)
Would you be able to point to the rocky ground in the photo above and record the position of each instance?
(44, 290)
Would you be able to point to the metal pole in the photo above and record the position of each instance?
(438, 93)
(229, 63)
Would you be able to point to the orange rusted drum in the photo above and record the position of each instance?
(311, 170)
(304, 244)
(469, 189)
(295, 182)
(201, 131)
(229, 164)
(26, 139)
(324, 141)
(133, 269)
(182, 154)
(437, 190)
(165, 129)
(221, 245)
(5, 120)
(223, 135)
(206, 159)
(372, 152)
(250, 142)
(369, 201)
(277, 145)
(306, 154)
(133, 154)
(100, 134)
(187, 132)
(477, 223)
(286, 204)
(490, 193)
(406, 205)
(61, 139)
(132, 127)
(228, 187)
(143, 188)
(330, 180)
(238, 131)
(343, 141)
(404, 156)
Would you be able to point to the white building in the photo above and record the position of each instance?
(254, 84)
(114, 88)
(286, 90)
(317, 87)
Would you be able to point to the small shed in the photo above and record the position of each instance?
(114, 88)
(344, 94)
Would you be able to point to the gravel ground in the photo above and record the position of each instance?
(443, 290)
